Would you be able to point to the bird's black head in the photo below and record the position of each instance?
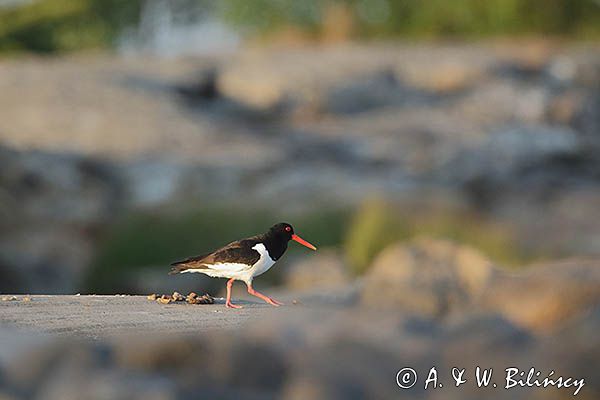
(282, 230)
(285, 232)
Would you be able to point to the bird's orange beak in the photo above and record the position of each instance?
(303, 242)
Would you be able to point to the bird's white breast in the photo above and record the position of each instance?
(264, 262)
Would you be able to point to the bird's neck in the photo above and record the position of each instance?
(275, 245)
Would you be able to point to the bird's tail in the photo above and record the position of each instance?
(178, 267)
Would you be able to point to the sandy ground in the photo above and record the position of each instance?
(101, 316)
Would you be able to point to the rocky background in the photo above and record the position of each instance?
(446, 164)
(507, 133)
(491, 146)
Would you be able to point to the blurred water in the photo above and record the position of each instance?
(176, 28)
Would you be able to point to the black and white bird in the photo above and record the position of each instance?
(243, 259)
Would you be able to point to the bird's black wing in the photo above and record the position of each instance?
(237, 253)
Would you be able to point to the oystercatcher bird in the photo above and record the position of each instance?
(243, 259)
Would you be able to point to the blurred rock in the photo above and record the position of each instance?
(249, 85)
(427, 277)
(437, 278)
(565, 107)
(587, 122)
(320, 372)
(505, 130)
(202, 88)
(580, 332)
(378, 90)
(325, 270)
(470, 335)
(495, 102)
(151, 182)
(563, 69)
(525, 68)
(66, 187)
(51, 207)
(98, 385)
(505, 154)
(587, 67)
(544, 297)
(449, 74)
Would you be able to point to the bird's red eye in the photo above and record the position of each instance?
(288, 229)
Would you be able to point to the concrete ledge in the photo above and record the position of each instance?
(96, 316)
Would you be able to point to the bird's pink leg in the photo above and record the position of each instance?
(228, 302)
(262, 296)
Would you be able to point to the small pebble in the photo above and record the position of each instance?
(191, 298)
(26, 298)
(164, 300)
(176, 296)
(9, 298)
(205, 299)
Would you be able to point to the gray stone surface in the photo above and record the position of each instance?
(318, 345)
(291, 353)
(99, 316)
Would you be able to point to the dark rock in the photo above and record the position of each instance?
(378, 90)
(469, 335)
(587, 121)
(574, 349)
(203, 88)
(520, 69)
(564, 107)
(320, 373)
(502, 156)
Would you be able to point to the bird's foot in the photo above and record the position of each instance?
(273, 302)
(266, 298)
(231, 305)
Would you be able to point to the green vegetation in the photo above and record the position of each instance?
(373, 227)
(378, 224)
(421, 18)
(64, 25)
(51, 25)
